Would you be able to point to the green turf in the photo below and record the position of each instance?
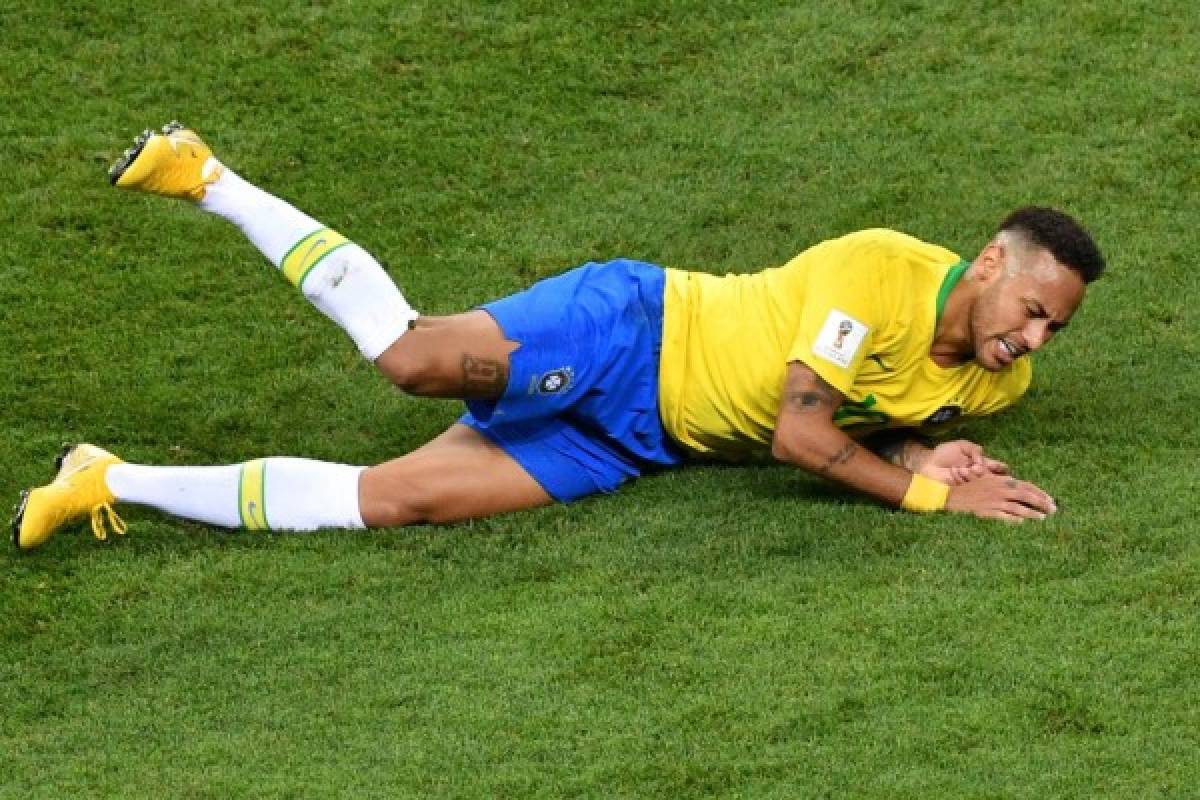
(718, 632)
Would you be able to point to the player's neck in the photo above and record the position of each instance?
(952, 340)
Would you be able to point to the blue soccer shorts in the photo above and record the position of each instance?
(580, 413)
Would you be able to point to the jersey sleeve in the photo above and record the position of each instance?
(840, 314)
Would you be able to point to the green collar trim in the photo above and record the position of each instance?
(948, 283)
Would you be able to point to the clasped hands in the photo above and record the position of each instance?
(984, 486)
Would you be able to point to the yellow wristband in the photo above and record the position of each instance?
(925, 494)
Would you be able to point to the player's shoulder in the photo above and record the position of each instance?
(887, 243)
(894, 261)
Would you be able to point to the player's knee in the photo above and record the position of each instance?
(406, 372)
(398, 502)
(403, 376)
(393, 512)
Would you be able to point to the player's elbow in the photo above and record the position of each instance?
(785, 449)
(798, 450)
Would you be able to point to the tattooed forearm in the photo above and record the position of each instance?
(891, 451)
(840, 457)
(900, 450)
(915, 454)
(483, 377)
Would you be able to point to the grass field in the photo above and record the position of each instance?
(716, 632)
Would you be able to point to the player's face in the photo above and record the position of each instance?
(1018, 312)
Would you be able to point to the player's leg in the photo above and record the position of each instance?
(272, 493)
(458, 475)
(340, 278)
(464, 355)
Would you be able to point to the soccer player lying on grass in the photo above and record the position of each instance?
(611, 370)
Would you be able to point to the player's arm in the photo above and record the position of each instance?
(806, 436)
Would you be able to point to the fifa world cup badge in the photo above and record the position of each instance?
(844, 329)
(840, 338)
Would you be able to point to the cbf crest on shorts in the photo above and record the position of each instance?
(556, 381)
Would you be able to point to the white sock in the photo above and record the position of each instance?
(271, 224)
(337, 276)
(277, 493)
(350, 288)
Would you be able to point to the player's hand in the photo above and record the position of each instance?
(1000, 497)
(960, 461)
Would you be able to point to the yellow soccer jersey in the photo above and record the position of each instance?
(861, 311)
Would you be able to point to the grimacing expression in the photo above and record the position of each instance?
(1020, 309)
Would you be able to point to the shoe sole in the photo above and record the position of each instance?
(18, 515)
(129, 156)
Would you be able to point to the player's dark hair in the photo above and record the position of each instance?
(1061, 235)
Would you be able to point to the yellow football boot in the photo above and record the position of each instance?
(174, 163)
(78, 490)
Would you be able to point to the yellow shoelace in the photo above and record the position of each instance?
(104, 513)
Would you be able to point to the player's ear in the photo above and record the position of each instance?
(990, 262)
